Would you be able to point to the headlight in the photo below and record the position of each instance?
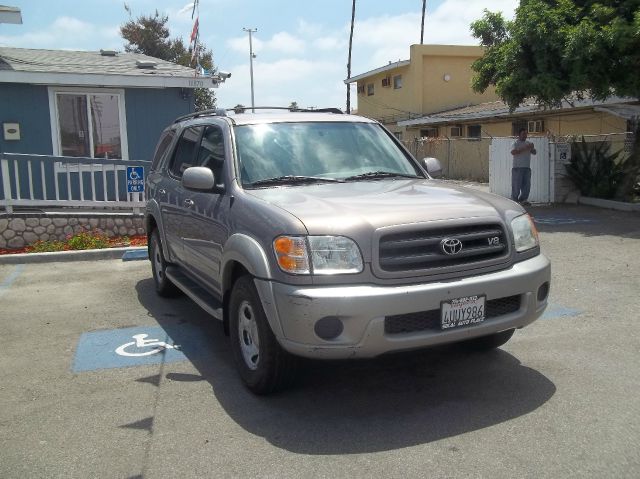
(525, 233)
(317, 255)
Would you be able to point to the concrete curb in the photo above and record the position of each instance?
(58, 256)
(610, 204)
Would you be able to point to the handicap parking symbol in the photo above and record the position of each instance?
(138, 346)
(135, 179)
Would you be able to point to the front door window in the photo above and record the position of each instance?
(89, 125)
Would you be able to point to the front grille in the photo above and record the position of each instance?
(417, 250)
(423, 320)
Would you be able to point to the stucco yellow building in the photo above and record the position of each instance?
(435, 78)
(430, 95)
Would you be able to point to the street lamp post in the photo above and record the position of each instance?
(251, 57)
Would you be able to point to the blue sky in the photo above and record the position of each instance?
(301, 46)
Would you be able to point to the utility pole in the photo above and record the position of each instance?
(424, 6)
(353, 16)
(251, 57)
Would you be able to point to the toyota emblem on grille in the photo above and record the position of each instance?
(451, 246)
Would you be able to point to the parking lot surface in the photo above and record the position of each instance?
(561, 399)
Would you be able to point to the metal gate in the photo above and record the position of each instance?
(500, 162)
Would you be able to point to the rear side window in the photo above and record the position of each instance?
(184, 156)
(161, 150)
(211, 151)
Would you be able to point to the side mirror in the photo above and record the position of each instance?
(198, 178)
(433, 167)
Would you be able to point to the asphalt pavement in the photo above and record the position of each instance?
(561, 399)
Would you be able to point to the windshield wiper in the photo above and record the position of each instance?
(379, 174)
(293, 179)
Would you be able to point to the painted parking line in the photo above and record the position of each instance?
(135, 255)
(9, 280)
(121, 348)
(557, 311)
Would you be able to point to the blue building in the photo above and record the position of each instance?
(104, 104)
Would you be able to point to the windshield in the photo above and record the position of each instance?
(329, 151)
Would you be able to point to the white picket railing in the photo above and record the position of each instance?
(42, 180)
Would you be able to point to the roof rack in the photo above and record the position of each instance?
(196, 114)
(295, 110)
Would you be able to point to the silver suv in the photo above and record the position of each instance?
(317, 234)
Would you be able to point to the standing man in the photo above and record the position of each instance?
(521, 170)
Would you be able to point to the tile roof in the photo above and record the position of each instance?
(67, 61)
(499, 109)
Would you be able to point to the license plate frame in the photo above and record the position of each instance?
(459, 313)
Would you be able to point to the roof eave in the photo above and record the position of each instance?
(107, 80)
(390, 66)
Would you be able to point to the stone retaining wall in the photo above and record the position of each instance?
(18, 230)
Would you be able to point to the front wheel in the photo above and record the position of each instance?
(493, 341)
(262, 363)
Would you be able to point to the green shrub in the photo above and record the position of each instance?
(594, 170)
(86, 240)
(46, 246)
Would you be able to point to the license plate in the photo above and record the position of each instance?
(460, 312)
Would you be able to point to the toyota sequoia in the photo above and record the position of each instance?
(317, 234)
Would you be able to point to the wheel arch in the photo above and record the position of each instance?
(243, 255)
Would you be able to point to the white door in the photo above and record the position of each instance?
(500, 162)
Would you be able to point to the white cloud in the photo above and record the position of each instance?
(281, 82)
(281, 42)
(68, 33)
(286, 43)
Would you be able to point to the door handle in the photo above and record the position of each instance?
(188, 203)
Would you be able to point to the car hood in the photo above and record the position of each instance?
(341, 208)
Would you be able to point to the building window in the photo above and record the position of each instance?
(531, 126)
(398, 135)
(360, 89)
(535, 126)
(89, 125)
(429, 132)
(397, 82)
(456, 131)
(474, 131)
(370, 89)
(386, 82)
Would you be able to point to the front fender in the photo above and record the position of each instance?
(249, 253)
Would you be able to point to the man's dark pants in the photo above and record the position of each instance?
(520, 184)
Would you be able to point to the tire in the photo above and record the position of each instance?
(262, 363)
(487, 343)
(164, 286)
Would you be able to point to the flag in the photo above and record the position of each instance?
(194, 32)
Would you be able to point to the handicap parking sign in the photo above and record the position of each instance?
(135, 179)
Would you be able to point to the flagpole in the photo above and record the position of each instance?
(251, 56)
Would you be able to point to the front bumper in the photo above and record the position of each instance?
(292, 311)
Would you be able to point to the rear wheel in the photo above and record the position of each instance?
(262, 363)
(486, 343)
(164, 286)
